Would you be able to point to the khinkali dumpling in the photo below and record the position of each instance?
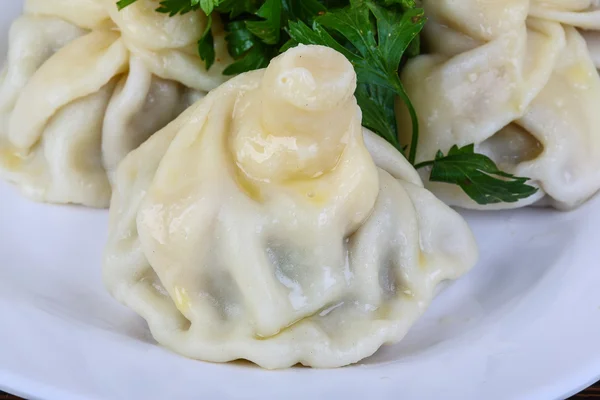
(518, 82)
(83, 85)
(261, 224)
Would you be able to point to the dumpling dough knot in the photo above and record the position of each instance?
(296, 125)
(142, 26)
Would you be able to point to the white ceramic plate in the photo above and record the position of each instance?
(525, 324)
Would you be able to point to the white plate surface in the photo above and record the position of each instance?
(524, 324)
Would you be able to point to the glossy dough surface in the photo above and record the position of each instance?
(517, 78)
(265, 224)
(84, 84)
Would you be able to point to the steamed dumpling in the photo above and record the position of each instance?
(265, 224)
(80, 90)
(521, 84)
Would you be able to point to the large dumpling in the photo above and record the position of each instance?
(519, 83)
(265, 224)
(83, 86)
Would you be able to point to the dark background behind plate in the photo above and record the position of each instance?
(591, 393)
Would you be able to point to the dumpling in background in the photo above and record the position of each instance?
(583, 14)
(87, 14)
(265, 224)
(519, 84)
(80, 90)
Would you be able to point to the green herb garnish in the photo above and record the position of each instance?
(478, 176)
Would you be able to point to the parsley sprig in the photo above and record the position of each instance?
(478, 176)
(377, 37)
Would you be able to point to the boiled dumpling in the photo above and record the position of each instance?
(82, 88)
(521, 85)
(265, 224)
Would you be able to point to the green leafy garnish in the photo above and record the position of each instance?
(206, 45)
(207, 5)
(174, 7)
(269, 29)
(478, 176)
(248, 51)
(377, 112)
(256, 30)
(235, 8)
(377, 37)
(121, 4)
(305, 10)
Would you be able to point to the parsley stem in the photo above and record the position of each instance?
(425, 164)
(412, 155)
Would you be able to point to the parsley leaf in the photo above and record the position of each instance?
(376, 104)
(478, 176)
(256, 58)
(239, 39)
(206, 5)
(236, 8)
(174, 7)
(268, 30)
(121, 4)
(248, 50)
(405, 4)
(206, 45)
(303, 10)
